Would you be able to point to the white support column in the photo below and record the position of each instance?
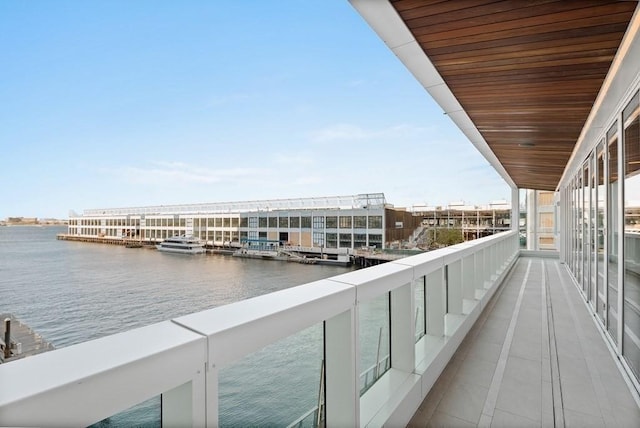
(185, 405)
(212, 397)
(435, 303)
(515, 208)
(403, 329)
(532, 220)
(454, 288)
(341, 348)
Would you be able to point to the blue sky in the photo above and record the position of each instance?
(131, 103)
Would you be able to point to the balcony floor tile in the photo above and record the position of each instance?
(593, 391)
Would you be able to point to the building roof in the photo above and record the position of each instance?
(363, 200)
(519, 78)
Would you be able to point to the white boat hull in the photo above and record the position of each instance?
(194, 250)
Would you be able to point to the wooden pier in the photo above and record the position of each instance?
(367, 259)
(133, 243)
(23, 342)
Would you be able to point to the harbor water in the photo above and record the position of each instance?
(71, 292)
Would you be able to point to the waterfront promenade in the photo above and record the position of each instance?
(534, 358)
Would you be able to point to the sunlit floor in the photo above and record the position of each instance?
(534, 358)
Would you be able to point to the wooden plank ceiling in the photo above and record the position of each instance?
(526, 72)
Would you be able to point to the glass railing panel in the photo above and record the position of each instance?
(420, 317)
(375, 343)
(279, 385)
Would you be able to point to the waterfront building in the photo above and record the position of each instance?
(331, 225)
(481, 333)
(326, 224)
(474, 221)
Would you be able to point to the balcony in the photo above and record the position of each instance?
(476, 359)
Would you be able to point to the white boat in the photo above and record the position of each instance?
(182, 244)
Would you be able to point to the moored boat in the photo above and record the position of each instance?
(182, 244)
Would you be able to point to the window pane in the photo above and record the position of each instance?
(375, 222)
(631, 139)
(600, 308)
(612, 234)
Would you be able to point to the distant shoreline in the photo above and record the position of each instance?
(32, 224)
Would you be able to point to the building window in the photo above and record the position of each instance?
(375, 239)
(294, 222)
(332, 240)
(332, 222)
(273, 222)
(218, 222)
(359, 222)
(235, 221)
(612, 233)
(545, 198)
(345, 240)
(253, 222)
(318, 239)
(546, 241)
(283, 222)
(375, 222)
(262, 222)
(345, 222)
(359, 240)
(305, 222)
(631, 140)
(546, 220)
(226, 222)
(318, 222)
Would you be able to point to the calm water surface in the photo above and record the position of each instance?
(71, 292)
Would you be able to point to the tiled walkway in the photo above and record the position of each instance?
(534, 358)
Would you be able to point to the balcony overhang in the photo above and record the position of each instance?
(518, 78)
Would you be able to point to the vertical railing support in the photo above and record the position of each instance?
(213, 389)
(342, 382)
(403, 328)
(435, 303)
(185, 405)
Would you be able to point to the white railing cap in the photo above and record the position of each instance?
(49, 386)
(376, 280)
(248, 325)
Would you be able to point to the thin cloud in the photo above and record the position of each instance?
(349, 132)
(162, 172)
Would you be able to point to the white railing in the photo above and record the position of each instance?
(181, 358)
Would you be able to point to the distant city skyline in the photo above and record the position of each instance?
(119, 104)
